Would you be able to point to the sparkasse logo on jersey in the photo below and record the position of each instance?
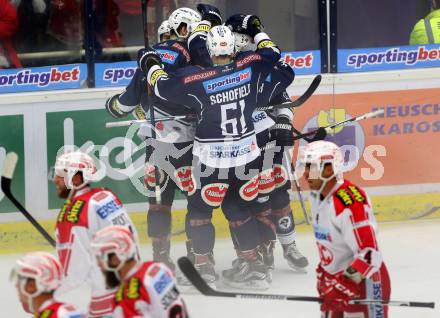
(228, 81)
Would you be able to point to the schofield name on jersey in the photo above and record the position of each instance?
(228, 81)
(231, 95)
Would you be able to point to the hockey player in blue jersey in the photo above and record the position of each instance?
(172, 149)
(224, 98)
(274, 212)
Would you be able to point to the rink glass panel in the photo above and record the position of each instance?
(378, 23)
(12, 140)
(51, 30)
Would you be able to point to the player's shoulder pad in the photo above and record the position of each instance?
(246, 58)
(68, 311)
(159, 276)
(192, 74)
(181, 48)
(349, 196)
(105, 203)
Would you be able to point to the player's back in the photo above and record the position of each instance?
(149, 291)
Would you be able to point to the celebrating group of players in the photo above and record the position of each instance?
(210, 78)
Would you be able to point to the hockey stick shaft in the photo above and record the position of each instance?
(6, 181)
(194, 277)
(147, 121)
(341, 123)
(300, 100)
(395, 303)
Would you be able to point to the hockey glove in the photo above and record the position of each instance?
(115, 108)
(338, 292)
(245, 24)
(147, 58)
(282, 132)
(210, 13)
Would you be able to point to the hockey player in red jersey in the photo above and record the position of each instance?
(36, 276)
(85, 211)
(351, 265)
(146, 289)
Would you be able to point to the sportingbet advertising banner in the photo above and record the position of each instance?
(388, 58)
(120, 74)
(43, 78)
(114, 74)
(303, 62)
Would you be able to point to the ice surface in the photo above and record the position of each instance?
(411, 251)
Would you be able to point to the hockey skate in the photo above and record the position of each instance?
(207, 272)
(161, 253)
(247, 275)
(294, 258)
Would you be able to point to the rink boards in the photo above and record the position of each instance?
(397, 152)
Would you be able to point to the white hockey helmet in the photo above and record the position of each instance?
(43, 267)
(116, 240)
(317, 154)
(163, 29)
(244, 42)
(68, 164)
(183, 15)
(220, 41)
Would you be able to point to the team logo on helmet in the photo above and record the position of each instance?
(214, 193)
(280, 175)
(184, 179)
(266, 181)
(249, 190)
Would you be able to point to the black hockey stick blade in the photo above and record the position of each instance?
(299, 101)
(194, 277)
(394, 303)
(6, 180)
(309, 92)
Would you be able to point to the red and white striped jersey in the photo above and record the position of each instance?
(345, 230)
(149, 291)
(89, 211)
(54, 309)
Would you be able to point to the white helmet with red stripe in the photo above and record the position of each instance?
(317, 154)
(43, 267)
(117, 240)
(69, 164)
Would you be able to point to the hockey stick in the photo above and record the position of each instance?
(396, 303)
(6, 180)
(194, 277)
(148, 120)
(144, 6)
(191, 117)
(341, 123)
(199, 283)
(300, 100)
